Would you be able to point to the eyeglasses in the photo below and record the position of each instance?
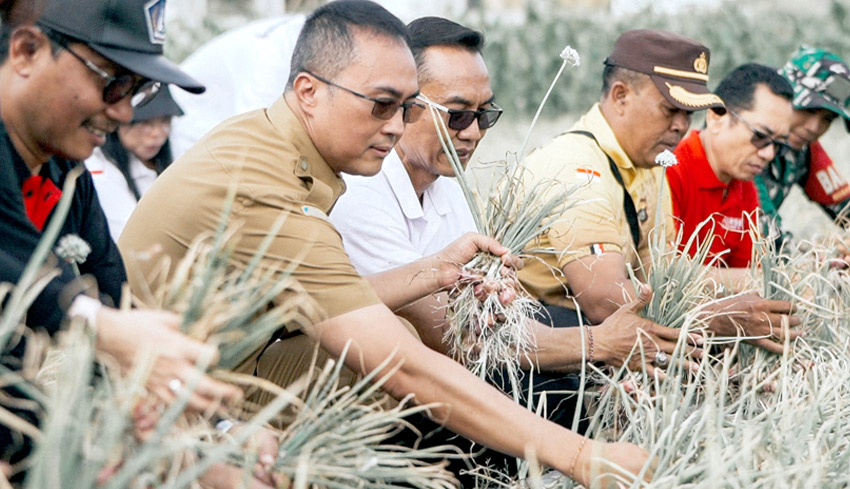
(761, 140)
(384, 109)
(461, 119)
(117, 87)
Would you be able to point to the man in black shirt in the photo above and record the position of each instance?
(65, 82)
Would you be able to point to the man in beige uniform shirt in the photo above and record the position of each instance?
(652, 82)
(351, 73)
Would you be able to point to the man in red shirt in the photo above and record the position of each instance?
(712, 186)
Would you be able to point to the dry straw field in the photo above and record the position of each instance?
(743, 419)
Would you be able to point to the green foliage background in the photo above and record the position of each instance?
(523, 55)
(522, 47)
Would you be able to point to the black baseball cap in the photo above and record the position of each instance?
(130, 33)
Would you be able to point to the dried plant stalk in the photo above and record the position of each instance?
(489, 309)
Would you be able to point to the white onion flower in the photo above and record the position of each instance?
(73, 249)
(666, 159)
(571, 56)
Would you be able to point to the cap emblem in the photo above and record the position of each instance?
(155, 17)
(701, 64)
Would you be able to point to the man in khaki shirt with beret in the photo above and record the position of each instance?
(652, 82)
(351, 89)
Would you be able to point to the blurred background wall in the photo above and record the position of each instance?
(524, 38)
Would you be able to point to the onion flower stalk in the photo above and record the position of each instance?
(679, 282)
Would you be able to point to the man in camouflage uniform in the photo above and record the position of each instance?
(821, 82)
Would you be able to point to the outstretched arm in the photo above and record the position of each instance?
(467, 405)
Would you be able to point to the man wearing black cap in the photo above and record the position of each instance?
(64, 84)
(652, 82)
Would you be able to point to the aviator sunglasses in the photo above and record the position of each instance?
(761, 140)
(461, 119)
(116, 87)
(384, 109)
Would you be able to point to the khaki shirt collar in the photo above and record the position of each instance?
(327, 186)
(595, 122)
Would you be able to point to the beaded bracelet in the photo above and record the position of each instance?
(575, 457)
(590, 344)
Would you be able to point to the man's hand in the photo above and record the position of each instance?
(603, 464)
(224, 476)
(452, 258)
(841, 254)
(750, 315)
(127, 336)
(616, 337)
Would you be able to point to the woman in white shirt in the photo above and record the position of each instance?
(127, 164)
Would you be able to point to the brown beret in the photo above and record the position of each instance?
(676, 64)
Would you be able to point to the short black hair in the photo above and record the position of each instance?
(325, 44)
(613, 74)
(737, 89)
(20, 12)
(5, 38)
(437, 31)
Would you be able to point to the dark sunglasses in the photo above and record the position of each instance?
(761, 140)
(461, 119)
(384, 109)
(119, 86)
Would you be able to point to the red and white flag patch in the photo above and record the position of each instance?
(597, 249)
(586, 175)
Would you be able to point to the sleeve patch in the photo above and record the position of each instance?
(586, 175)
(597, 249)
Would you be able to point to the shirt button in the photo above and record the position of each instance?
(304, 165)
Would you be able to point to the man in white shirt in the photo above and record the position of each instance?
(408, 211)
(401, 225)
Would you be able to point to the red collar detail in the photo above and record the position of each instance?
(40, 197)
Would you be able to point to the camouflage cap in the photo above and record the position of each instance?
(821, 80)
